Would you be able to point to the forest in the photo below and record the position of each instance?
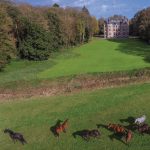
(140, 24)
(34, 33)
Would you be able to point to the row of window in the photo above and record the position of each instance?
(117, 26)
(118, 30)
(117, 34)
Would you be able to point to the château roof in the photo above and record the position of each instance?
(117, 19)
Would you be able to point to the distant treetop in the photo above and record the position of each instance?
(85, 10)
(56, 5)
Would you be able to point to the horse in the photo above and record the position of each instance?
(61, 127)
(140, 120)
(15, 136)
(144, 128)
(128, 136)
(86, 134)
(117, 128)
(94, 133)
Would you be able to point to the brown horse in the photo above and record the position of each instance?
(128, 136)
(117, 128)
(62, 127)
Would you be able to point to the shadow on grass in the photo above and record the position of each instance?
(130, 120)
(82, 134)
(133, 47)
(118, 136)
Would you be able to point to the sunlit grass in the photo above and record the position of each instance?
(85, 110)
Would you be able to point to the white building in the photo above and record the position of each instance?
(116, 27)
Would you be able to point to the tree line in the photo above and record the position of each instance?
(140, 24)
(34, 33)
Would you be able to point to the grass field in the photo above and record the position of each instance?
(34, 117)
(96, 56)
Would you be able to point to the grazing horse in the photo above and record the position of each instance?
(15, 136)
(86, 134)
(140, 120)
(62, 127)
(94, 133)
(128, 136)
(117, 128)
(83, 133)
(144, 128)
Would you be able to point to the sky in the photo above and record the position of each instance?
(99, 8)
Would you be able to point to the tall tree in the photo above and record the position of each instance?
(6, 41)
(35, 41)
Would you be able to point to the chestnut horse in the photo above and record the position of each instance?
(128, 136)
(62, 127)
(117, 128)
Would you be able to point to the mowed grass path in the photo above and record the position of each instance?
(34, 118)
(97, 56)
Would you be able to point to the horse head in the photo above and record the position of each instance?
(110, 125)
(8, 131)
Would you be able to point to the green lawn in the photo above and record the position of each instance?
(96, 56)
(34, 117)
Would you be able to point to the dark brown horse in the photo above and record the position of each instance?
(144, 128)
(87, 134)
(15, 136)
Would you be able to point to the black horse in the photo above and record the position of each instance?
(86, 134)
(15, 136)
(144, 128)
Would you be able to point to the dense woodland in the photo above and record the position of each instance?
(140, 24)
(34, 33)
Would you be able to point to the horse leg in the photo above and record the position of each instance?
(22, 142)
(85, 138)
(64, 130)
(14, 140)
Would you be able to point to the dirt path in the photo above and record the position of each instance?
(74, 85)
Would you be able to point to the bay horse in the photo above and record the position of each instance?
(117, 128)
(15, 136)
(62, 127)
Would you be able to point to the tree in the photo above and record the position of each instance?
(101, 23)
(85, 10)
(6, 41)
(139, 25)
(56, 5)
(55, 29)
(35, 42)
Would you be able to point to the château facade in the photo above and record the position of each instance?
(116, 27)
